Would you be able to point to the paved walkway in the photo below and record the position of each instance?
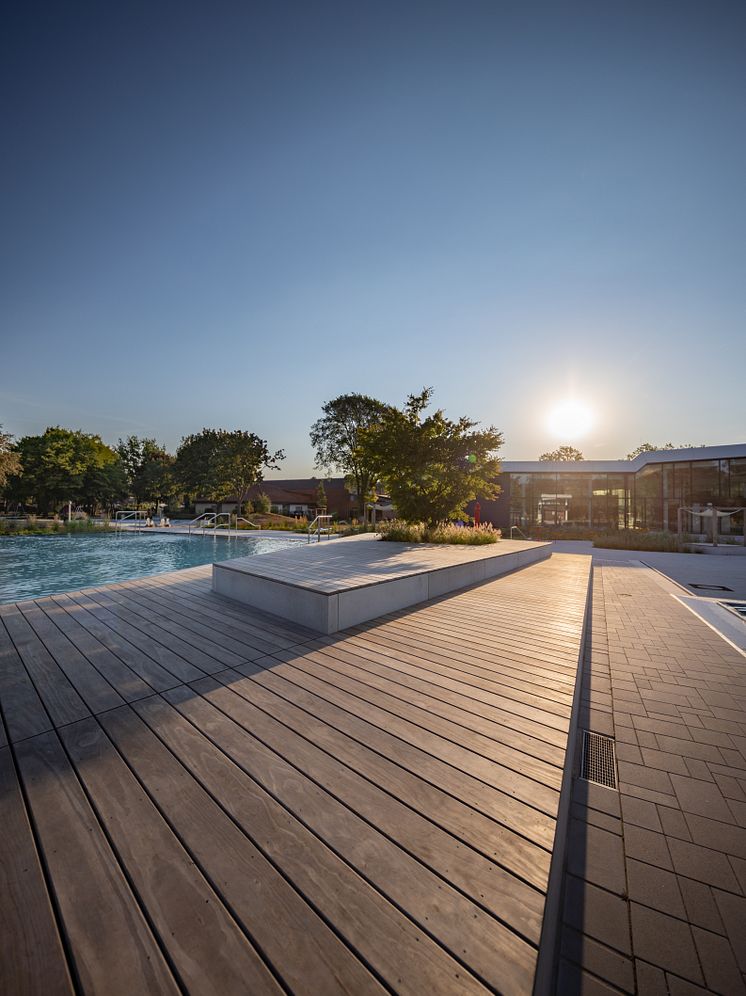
(655, 890)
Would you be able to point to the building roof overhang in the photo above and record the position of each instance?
(622, 466)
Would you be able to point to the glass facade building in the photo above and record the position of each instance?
(645, 493)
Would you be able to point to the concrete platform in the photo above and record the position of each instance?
(332, 585)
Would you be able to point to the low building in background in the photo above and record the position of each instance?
(644, 493)
(295, 498)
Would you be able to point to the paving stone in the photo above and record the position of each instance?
(716, 957)
(625, 734)
(739, 811)
(638, 774)
(722, 836)
(629, 752)
(697, 769)
(646, 739)
(701, 908)
(673, 822)
(642, 793)
(651, 980)
(596, 819)
(604, 962)
(645, 845)
(572, 979)
(597, 856)
(680, 987)
(730, 787)
(739, 869)
(688, 748)
(654, 887)
(702, 798)
(664, 941)
(598, 913)
(640, 812)
(733, 912)
(596, 797)
(664, 761)
(660, 727)
(702, 864)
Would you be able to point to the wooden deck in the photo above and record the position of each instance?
(198, 797)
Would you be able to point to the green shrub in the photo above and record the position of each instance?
(635, 539)
(445, 532)
(262, 504)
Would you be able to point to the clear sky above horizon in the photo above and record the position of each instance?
(226, 214)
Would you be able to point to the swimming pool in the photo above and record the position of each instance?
(31, 566)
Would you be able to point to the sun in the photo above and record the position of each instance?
(570, 420)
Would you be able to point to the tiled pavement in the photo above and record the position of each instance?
(655, 882)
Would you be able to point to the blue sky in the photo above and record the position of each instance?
(226, 214)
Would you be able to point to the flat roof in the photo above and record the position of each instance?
(623, 466)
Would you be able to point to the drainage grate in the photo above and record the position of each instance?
(598, 763)
(711, 587)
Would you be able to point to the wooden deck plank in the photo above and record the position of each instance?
(244, 627)
(158, 653)
(402, 954)
(502, 808)
(210, 953)
(145, 667)
(22, 709)
(32, 958)
(494, 841)
(441, 737)
(62, 701)
(121, 677)
(197, 592)
(92, 687)
(274, 915)
(494, 953)
(460, 668)
(181, 661)
(482, 712)
(498, 697)
(185, 625)
(112, 947)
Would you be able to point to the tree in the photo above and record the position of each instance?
(652, 448)
(262, 503)
(217, 464)
(320, 495)
(10, 462)
(149, 469)
(337, 440)
(65, 465)
(431, 465)
(564, 453)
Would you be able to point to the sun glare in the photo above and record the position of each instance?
(569, 420)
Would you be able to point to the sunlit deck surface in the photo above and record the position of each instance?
(200, 797)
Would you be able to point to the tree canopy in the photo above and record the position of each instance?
(652, 448)
(432, 466)
(66, 465)
(149, 469)
(337, 439)
(218, 464)
(563, 453)
(10, 462)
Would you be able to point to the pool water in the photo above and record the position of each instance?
(31, 566)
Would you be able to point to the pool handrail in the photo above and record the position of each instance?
(320, 528)
(240, 518)
(123, 514)
(209, 519)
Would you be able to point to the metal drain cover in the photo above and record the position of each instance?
(711, 587)
(598, 762)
